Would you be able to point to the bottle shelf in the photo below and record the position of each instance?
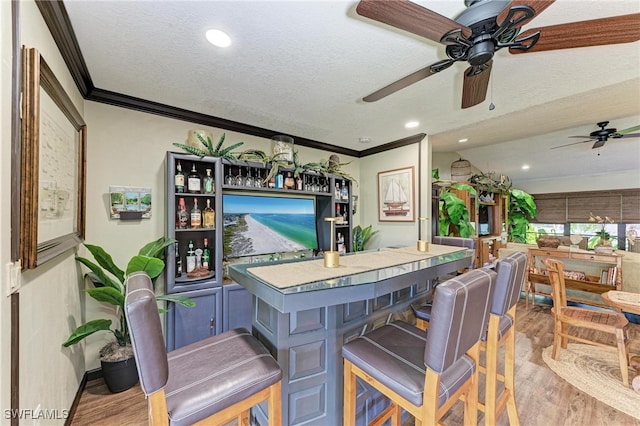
(184, 279)
(194, 230)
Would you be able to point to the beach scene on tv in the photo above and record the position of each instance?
(255, 225)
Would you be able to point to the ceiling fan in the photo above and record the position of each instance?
(485, 27)
(602, 135)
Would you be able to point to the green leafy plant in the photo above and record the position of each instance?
(361, 236)
(209, 149)
(522, 209)
(454, 215)
(489, 182)
(108, 282)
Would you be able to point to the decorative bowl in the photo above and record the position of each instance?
(548, 241)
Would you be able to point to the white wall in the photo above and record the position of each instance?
(392, 233)
(50, 302)
(5, 214)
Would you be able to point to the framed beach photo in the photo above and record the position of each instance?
(395, 195)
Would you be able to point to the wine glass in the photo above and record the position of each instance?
(249, 179)
(240, 178)
(229, 179)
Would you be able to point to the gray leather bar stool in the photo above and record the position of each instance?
(423, 313)
(502, 332)
(425, 373)
(211, 382)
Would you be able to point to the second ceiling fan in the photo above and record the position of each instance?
(485, 27)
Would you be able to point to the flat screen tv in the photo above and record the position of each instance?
(263, 224)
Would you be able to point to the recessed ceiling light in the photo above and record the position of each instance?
(463, 140)
(525, 167)
(218, 38)
(364, 139)
(411, 124)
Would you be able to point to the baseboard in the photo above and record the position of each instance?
(86, 377)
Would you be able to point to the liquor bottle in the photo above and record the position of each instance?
(209, 216)
(209, 187)
(191, 258)
(193, 181)
(196, 215)
(338, 214)
(345, 191)
(182, 221)
(178, 261)
(279, 181)
(179, 178)
(206, 254)
(288, 181)
(299, 183)
(337, 192)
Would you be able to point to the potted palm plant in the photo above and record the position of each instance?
(361, 236)
(108, 286)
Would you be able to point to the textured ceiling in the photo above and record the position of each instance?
(302, 67)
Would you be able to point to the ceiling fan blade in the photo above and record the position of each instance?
(598, 144)
(408, 80)
(410, 17)
(537, 5)
(628, 135)
(581, 137)
(595, 32)
(476, 81)
(625, 132)
(569, 144)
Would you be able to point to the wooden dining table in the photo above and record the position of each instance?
(628, 302)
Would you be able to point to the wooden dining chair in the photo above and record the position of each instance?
(565, 316)
(210, 382)
(425, 373)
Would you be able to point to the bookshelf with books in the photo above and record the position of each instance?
(587, 274)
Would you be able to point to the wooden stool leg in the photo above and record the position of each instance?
(509, 375)
(491, 371)
(422, 324)
(275, 404)
(622, 355)
(349, 413)
(634, 362)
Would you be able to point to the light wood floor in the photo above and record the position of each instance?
(542, 397)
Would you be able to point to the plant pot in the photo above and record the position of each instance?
(120, 375)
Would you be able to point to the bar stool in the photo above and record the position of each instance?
(425, 374)
(211, 382)
(502, 332)
(423, 313)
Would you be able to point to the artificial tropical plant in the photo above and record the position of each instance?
(522, 209)
(454, 214)
(209, 149)
(361, 236)
(108, 282)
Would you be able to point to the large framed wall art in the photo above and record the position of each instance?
(52, 163)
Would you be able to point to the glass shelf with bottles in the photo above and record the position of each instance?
(191, 217)
(198, 179)
(254, 176)
(194, 260)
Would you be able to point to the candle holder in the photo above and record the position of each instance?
(423, 245)
(331, 257)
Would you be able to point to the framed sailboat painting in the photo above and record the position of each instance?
(395, 195)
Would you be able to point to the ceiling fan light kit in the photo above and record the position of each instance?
(485, 27)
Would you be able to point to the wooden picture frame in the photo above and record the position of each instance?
(396, 195)
(52, 162)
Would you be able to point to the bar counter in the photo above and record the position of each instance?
(304, 322)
